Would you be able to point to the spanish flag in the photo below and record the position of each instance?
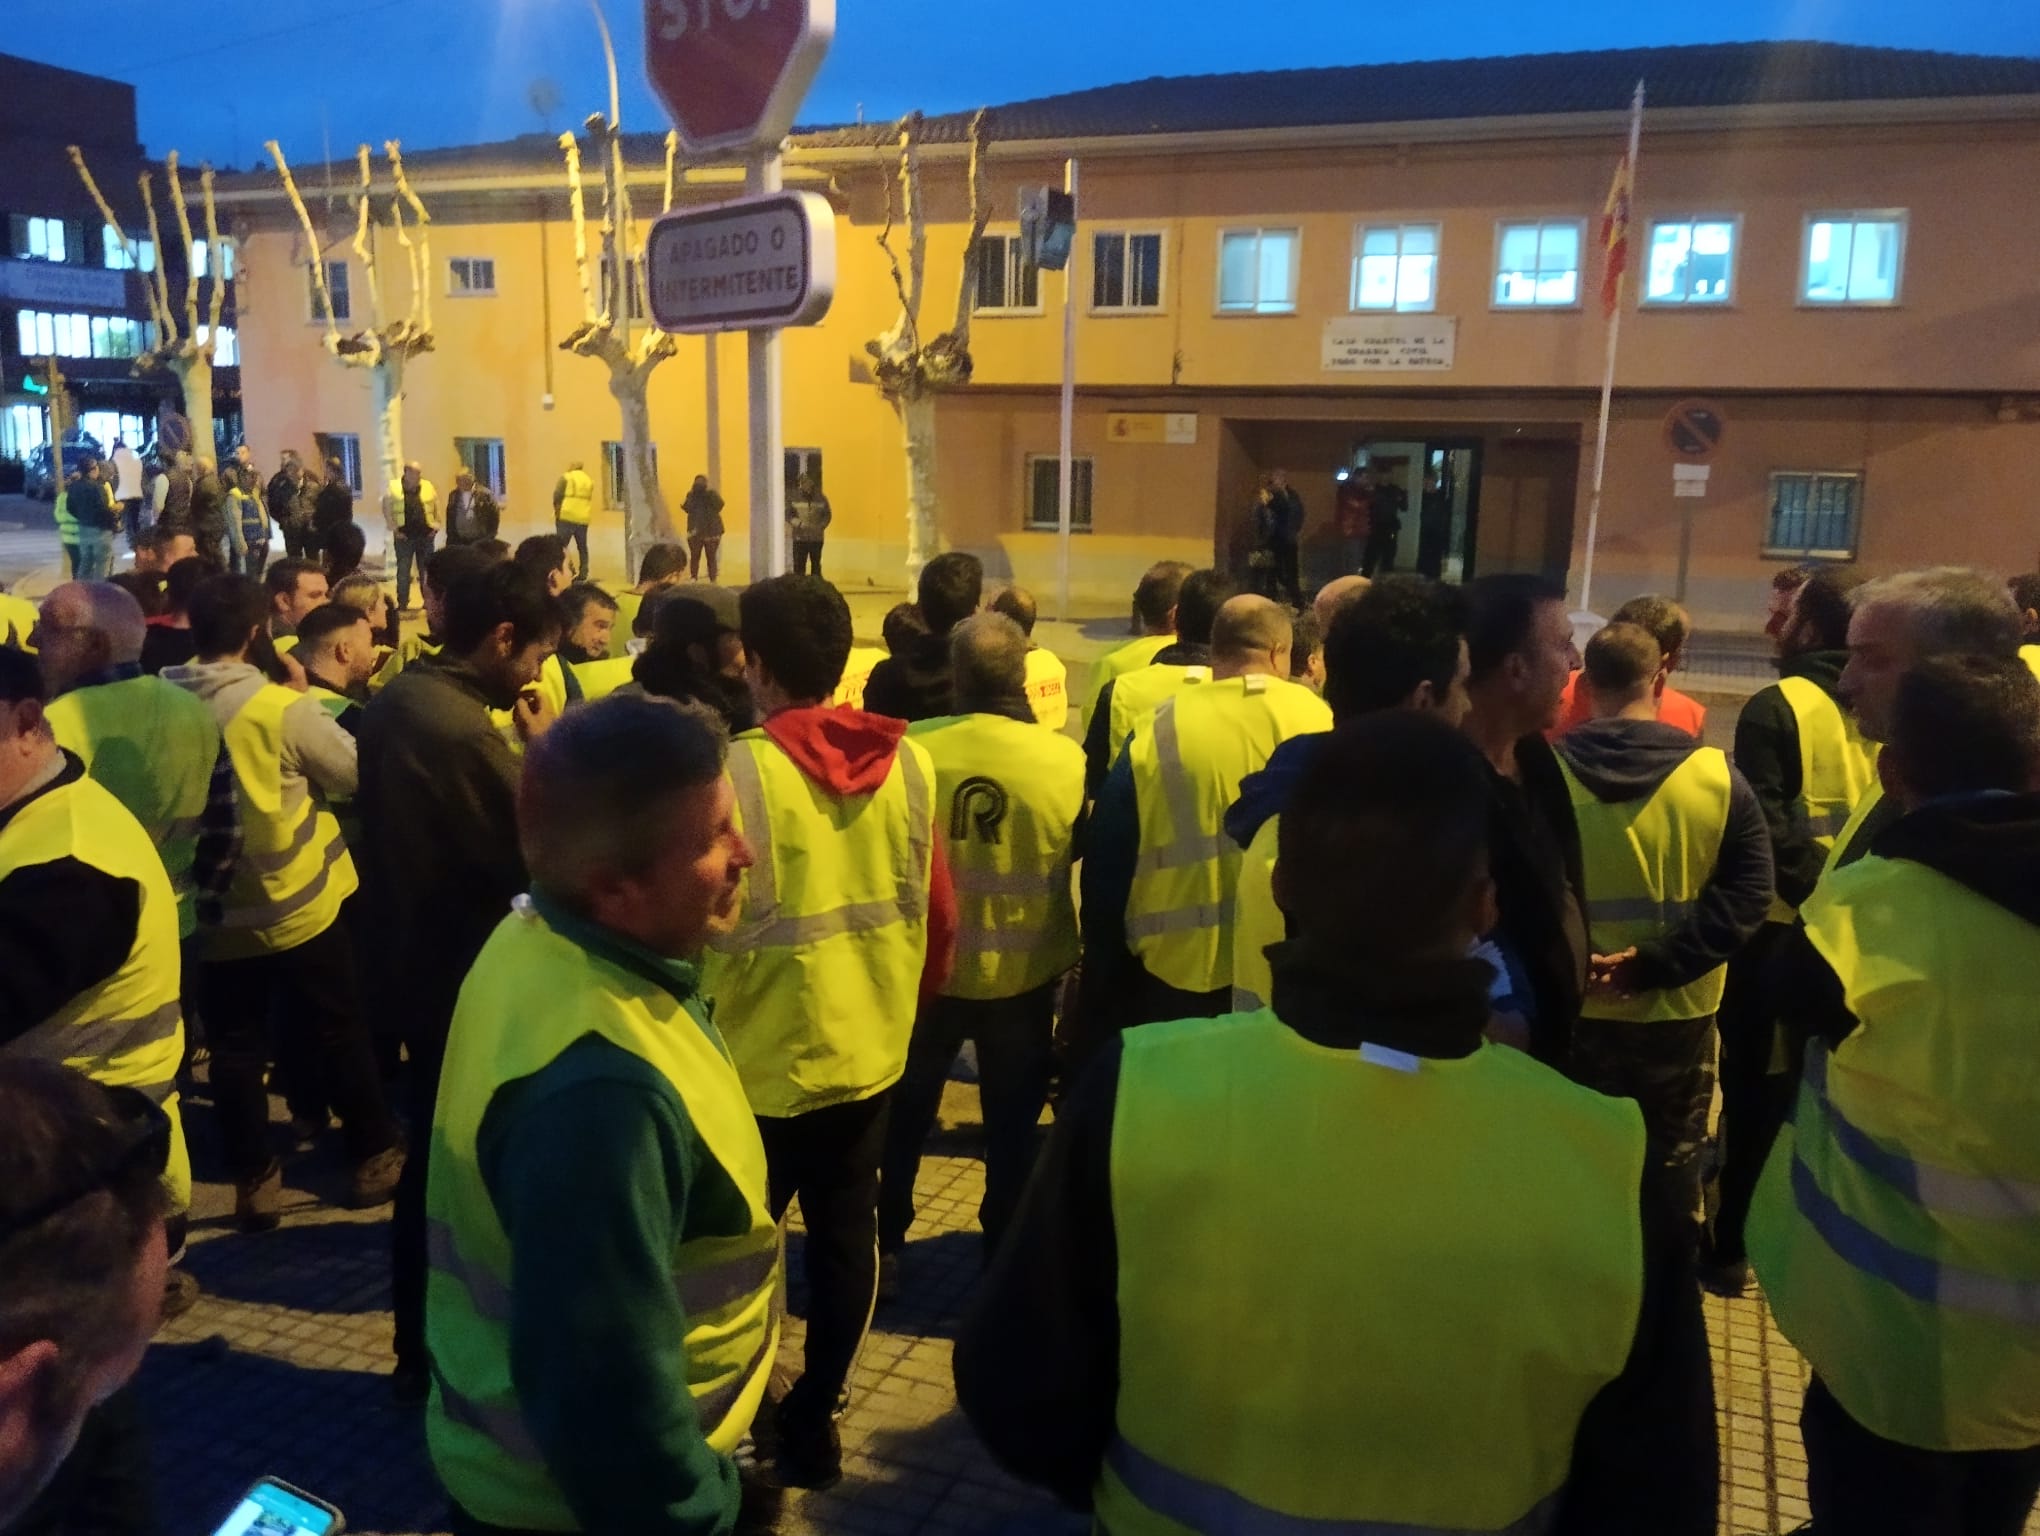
(1615, 234)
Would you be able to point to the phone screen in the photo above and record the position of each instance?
(272, 1508)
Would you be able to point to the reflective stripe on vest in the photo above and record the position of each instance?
(1837, 768)
(1213, 1510)
(126, 1031)
(819, 980)
(1138, 693)
(1247, 1201)
(1646, 863)
(1896, 1227)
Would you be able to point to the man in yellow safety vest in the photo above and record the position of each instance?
(601, 1301)
(1160, 874)
(279, 950)
(1123, 701)
(1238, 1294)
(1808, 765)
(1047, 680)
(573, 505)
(847, 924)
(1009, 804)
(1678, 876)
(1895, 1231)
(1154, 622)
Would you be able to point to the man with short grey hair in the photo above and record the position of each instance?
(594, 1157)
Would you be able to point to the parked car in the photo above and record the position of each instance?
(42, 482)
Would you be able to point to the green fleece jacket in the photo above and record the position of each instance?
(597, 1173)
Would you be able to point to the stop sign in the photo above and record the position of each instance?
(733, 73)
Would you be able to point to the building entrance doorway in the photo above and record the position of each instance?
(1411, 505)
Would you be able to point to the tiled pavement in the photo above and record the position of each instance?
(280, 1369)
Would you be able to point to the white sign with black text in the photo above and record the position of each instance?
(1390, 343)
(757, 264)
(1689, 480)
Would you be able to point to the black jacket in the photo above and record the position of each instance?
(470, 516)
(1624, 760)
(332, 508)
(1534, 857)
(1990, 844)
(1037, 1360)
(914, 685)
(1767, 756)
(285, 504)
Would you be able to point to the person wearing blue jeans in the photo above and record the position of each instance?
(1015, 1039)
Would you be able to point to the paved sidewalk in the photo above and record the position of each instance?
(280, 1369)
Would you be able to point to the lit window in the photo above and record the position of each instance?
(1537, 264)
(484, 457)
(1395, 266)
(1007, 282)
(37, 239)
(1126, 271)
(1692, 261)
(470, 276)
(1257, 271)
(1814, 515)
(1044, 493)
(336, 285)
(612, 474)
(227, 350)
(1854, 258)
(201, 262)
(135, 256)
(346, 447)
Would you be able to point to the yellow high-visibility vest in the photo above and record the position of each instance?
(817, 987)
(856, 673)
(577, 496)
(1837, 769)
(1646, 862)
(584, 682)
(2030, 655)
(153, 745)
(128, 1031)
(1116, 663)
(294, 870)
(18, 618)
(1258, 1183)
(1136, 695)
(1188, 758)
(1257, 920)
(1896, 1228)
(1048, 688)
(533, 993)
(1007, 799)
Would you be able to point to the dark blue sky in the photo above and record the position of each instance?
(435, 72)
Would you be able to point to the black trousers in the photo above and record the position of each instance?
(828, 1160)
(807, 557)
(1861, 1484)
(427, 1017)
(309, 992)
(1379, 556)
(1015, 1054)
(1755, 1101)
(1667, 1067)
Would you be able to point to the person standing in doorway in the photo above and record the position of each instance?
(807, 520)
(411, 513)
(573, 506)
(127, 492)
(1386, 504)
(1289, 517)
(704, 508)
(1354, 511)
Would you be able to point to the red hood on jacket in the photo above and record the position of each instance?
(844, 750)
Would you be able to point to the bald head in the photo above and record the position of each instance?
(1334, 596)
(1250, 634)
(87, 626)
(988, 660)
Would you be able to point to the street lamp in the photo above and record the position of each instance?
(609, 57)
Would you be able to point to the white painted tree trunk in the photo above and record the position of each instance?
(386, 391)
(924, 536)
(645, 521)
(194, 378)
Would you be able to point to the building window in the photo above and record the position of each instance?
(483, 456)
(227, 350)
(346, 447)
(471, 276)
(1854, 258)
(38, 239)
(1257, 271)
(802, 461)
(1814, 515)
(1126, 271)
(1395, 266)
(1537, 264)
(1692, 261)
(612, 474)
(1007, 282)
(135, 256)
(1044, 493)
(42, 334)
(634, 300)
(201, 259)
(23, 429)
(336, 285)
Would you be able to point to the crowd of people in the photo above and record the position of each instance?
(1378, 959)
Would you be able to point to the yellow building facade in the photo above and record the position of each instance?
(1839, 276)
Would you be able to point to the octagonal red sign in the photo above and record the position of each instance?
(733, 73)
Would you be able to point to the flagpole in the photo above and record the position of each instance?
(1608, 374)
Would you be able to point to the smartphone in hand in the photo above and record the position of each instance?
(274, 1508)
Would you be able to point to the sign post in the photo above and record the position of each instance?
(1693, 433)
(732, 75)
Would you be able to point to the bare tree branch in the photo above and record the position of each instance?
(218, 263)
(980, 217)
(910, 190)
(364, 247)
(184, 233)
(577, 201)
(113, 223)
(166, 325)
(318, 253)
(672, 158)
(421, 264)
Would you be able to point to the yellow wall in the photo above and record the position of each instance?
(1922, 377)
